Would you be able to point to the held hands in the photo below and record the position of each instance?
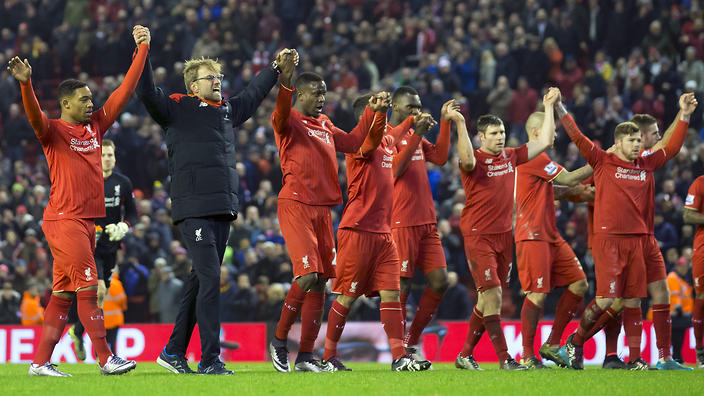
(380, 102)
(448, 108)
(423, 123)
(688, 103)
(116, 231)
(141, 35)
(551, 97)
(287, 60)
(20, 70)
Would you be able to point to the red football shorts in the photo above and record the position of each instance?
(654, 263)
(72, 243)
(544, 265)
(367, 262)
(307, 230)
(419, 247)
(490, 259)
(698, 271)
(619, 265)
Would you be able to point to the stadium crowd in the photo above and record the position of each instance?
(610, 61)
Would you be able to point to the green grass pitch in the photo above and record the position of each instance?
(366, 379)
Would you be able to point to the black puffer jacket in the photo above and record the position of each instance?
(201, 144)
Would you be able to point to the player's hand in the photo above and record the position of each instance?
(585, 192)
(449, 106)
(423, 123)
(102, 293)
(20, 70)
(116, 231)
(380, 102)
(287, 60)
(141, 35)
(551, 96)
(688, 103)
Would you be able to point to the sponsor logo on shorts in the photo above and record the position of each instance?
(612, 287)
(550, 168)
(353, 287)
(689, 200)
(540, 282)
(404, 266)
(89, 276)
(306, 265)
(199, 237)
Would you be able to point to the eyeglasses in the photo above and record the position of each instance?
(211, 77)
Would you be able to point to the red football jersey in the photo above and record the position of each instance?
(622, 188)
(695, 200)
(73, 150)
(307, 147)
(535, 200)
(413, 199)
(488, 188)
(370, 189)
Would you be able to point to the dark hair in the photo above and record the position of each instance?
(307, 78)
(402, 91)
(643, 120)
(360, 104)
(625, 128)
(486, 120)
(68, 87)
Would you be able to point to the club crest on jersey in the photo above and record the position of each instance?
(117, 190)
(689, 200)
(404, 266)
(550, 168)
(353, 287)
(488, 160)
(90, 130)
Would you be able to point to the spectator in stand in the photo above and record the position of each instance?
(456, 304)
(10, 301)
(31, 309)
(523, 102)
(681, 304)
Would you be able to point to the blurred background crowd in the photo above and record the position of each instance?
(611, 59)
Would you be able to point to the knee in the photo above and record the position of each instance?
(631, 302)
(491, 298)
(64, 294)
(345, 301)
(405, 285)
(659, 292)
(307, 281)
(439, 285)
(580, 287)
(604, 302)
(538, 299)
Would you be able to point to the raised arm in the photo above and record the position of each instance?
(437, 153)
(380, 104)
(692, 216)
(117, 100)
(687, 106)
(279, 119)
(670, 130)
(547, 132)
(22, 72)
(464, 144)
(586, 146)
(579, 193)
(370, 122)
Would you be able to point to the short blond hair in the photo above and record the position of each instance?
(625, 129)
(535, 120)
(190, 70)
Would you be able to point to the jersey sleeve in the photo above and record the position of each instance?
(695, 198)
(521, 154)
(543, 167)
(37, 118)
(437, 153)
(589, 151)
(351, 142)
(280, 116)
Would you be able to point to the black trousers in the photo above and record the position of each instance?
(206, 239)
(104, 263)
(680, 325)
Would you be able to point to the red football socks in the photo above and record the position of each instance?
(612, 329)
(663, 329)
(530, 314)
(404, 302)
(698, 322)
(291, 310)
(311, 317)
(496, 334)
(566, 310)
(633, 324)
(476, 330)
(337, 317)
(426, 309)
(92, 318)
(589, 319)
(393, 325)
(55, 318)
